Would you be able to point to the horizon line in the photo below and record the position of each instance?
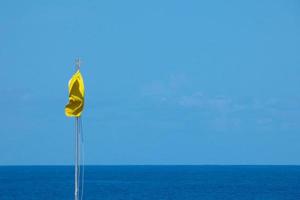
(141, 165)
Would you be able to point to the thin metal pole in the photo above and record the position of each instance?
(77, 146)
(76, 158)
(77, 150)
(78, 63)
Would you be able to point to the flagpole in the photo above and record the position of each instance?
(76, 157)
(77, 150)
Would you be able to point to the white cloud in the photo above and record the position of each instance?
(224, 112)
(15, 95)
(169, 87)
(195, 100)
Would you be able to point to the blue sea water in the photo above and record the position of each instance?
(153, 183)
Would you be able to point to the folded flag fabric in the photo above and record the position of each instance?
(76, 96)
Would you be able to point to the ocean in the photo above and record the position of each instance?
(152, 183)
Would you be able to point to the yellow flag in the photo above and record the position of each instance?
(76, 96)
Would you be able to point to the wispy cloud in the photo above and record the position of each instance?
(225, 112)
(169, 87)
(10, 95)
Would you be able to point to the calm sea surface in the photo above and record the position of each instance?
(153, 183)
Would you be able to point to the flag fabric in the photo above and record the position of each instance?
(76, 96)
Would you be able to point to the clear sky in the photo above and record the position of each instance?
(167, 82)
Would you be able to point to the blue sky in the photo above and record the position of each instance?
(167, 82)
